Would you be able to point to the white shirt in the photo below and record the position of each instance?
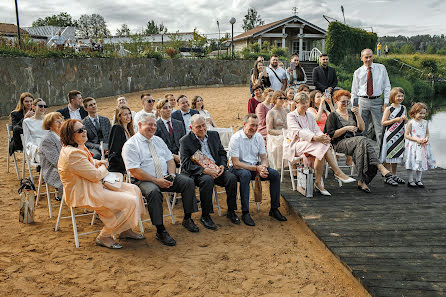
(381, 82)
(165, 123)
(33, 134)
(138, 115)
(186, 119)
(276, 84)
(136, 153)
(246, 149)
(75, 114)
(95, 123)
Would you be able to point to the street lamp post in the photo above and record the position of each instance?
(218, 25)
(18, 25)
(232, 21)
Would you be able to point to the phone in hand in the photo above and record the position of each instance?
(327, 93)
(292, 66)
(169, 177)
(356, 102)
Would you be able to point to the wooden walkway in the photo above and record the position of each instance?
(393, 240)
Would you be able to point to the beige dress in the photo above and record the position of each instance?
(83, 188)
(275, 122)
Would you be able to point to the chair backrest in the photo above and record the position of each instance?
(9, 129)
(101, 146)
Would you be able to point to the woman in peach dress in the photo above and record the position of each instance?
(81, 176)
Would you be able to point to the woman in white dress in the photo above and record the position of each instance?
(197, 103)
(33, 132)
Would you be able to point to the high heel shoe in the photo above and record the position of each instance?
(366, 189)
(323, 192)
(345, 181)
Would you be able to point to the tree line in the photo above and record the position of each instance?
(428, 44)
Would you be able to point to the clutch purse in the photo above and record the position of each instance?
(201, 159)
(113, 181)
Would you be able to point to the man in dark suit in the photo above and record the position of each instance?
(184, 113)
(98, 128)
(170, 130)
(74, 110)
(324, 76)
(208, 142)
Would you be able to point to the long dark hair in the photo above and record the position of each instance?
(256, 70)
(299, 71)
(118, 113)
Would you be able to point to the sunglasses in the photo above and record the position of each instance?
(42, 106)
(283, 98)
(150, 101)
(81, 130)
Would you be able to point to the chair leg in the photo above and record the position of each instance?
(17, 171)
(281, 172)
(292, 176)
(58, 216)
(93, 217)
(141, 227)
(50, 207)
(23, 167)
(169, 206)
(217, 201)
(38, 189)
(326, 170)
(7, 160)
(73, 219)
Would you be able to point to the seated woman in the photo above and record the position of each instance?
(304, 88)
(260, 76)
(319, 109)
(81, 176)
(119, 133)
(256, 100)
(49, 150)
(305, 138)
(275, 122)
(290, 104)
(262, 110)
(22, 111)
(345, 129)
(197, 104)
(33, 132)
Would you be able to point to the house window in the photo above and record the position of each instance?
(305, 45)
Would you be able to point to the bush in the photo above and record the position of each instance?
(422, 89)
(153, 55)
(407, 49)
(430, 65)
(172, 52)
(281, 52)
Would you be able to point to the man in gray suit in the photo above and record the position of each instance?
(170, 130)
(98, 128)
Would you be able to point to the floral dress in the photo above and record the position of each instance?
(419, 156)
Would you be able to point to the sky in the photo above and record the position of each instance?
(385, 17)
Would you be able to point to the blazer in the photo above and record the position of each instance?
(17, 118)
(321, 82)
(93, 141)
(173, 143)
(66, 113)
(115, 143)
(189, 144)
(49, 151)
(178, 115)
(16, 124)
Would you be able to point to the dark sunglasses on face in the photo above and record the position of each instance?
(283, 98)
(42, 106)
(80, 130)
(150, 101)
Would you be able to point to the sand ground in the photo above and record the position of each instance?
(272, 259)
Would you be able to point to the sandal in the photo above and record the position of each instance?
(398, 179)
(388, 179)
(114, 246)
(137, 237)
(419, 184)
(412, 184)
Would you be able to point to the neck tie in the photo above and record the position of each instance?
(170, 128)
(156, 160)
(95, 122)
(369, 83)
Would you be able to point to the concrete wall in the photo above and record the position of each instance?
(51, 79)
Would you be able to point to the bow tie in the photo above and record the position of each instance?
(186, 113)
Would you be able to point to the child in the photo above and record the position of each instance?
(393, 121)
(418, 150)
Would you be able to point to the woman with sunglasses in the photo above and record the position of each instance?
(275, 122)
(82, 176)
(345, 128)
(33, 132)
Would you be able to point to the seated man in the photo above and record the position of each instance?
(98, 128)
(245, 148)
(172, 100)
(151, 164)
(208, 142)
(147, 102)
(184, 113)
(170, 130)
(74, 110)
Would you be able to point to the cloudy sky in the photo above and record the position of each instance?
(386, 17)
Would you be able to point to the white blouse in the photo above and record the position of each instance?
(33, 134)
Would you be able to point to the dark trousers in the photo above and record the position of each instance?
(245, 176)
(206, 184)
(182, 184)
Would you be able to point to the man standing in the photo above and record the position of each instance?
(98, 128)
(147, 102)
(324, 76)
(208, 142)
(277, 75)
(151, 164)
(184, 113)
(245, 149)
(74, 110)
(370, 81)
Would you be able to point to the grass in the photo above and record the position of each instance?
(416, 60)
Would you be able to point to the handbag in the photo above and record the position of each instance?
(257, 189)
(27, 193)
(305, 180)
(113, 181)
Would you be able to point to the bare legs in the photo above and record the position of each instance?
(331, 160)
(391, 166)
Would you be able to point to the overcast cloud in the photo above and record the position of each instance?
(385, 17)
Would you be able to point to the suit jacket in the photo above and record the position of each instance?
(66, 113)
(93, 141)
(16, 125)
(321, 82)
(173, 143)
(178, 115)
(49, 151)
(189, 144)
(115, 143)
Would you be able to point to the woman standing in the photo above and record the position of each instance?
(22, 111)
(262, 110)
(295, 73)
(260, 76)
(33, 132)
(319, 109)
(275, 122)
(197, 104)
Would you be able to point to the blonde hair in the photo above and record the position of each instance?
(266, 92)
(395, 92)
(276, 95)
(49, 119)
(300, 97)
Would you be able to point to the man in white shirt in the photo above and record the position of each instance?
(147, 102)
(277, 75)
(151, 164)
(370, 81)
(184, 113)
(245, 148)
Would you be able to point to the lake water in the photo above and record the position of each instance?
(437, 139)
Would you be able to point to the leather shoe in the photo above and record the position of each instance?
(246, 218)
(208, 223)
(165, 238)
(190, 225)
(345, 181)
(233, 217)
(275, 213)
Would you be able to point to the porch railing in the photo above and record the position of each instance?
(312, 55)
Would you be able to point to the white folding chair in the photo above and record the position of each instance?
(101, 147)
(27, 161)
(335, 155)
(48, 194)
(290, 167)
(9, 130)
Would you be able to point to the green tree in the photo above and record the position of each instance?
(407, 49)
(431, 49)
(92, 26)
(123, 31)
(62, 19)
(198, 40)
(252, 20)
(153, 28)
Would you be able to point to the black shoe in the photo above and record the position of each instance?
(388, 179)
(233, 217)
(57, 198)
(275, 213)
(246, 218)
(208, 223)
(165, 238)
(399, 179)
(366, 189)
(412, 184)
(419, 184)
(190, 225)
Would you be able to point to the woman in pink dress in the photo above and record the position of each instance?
(305, 138)
(262, 109)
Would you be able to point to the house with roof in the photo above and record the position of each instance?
(51, 31)
(9, 32)
(295, 33)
